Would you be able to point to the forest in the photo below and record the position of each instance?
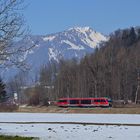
(112, 70)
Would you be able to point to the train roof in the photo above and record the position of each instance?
(88, 98)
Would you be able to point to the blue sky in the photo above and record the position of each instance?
(50, 16)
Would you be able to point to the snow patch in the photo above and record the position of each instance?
(57, 117)
(49, 38)
(53, 54)
(93, 39)
(73, 46)
(97, 37)
(70, 131)
(81, 29)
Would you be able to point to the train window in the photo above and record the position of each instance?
(61, 101)
(85, 101)
(97, 100)
(74, 101)
(103, 100)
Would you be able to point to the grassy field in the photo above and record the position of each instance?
(54, 109)
(15, 138)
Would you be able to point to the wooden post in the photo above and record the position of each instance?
(138, 85)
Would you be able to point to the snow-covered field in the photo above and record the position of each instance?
(56, 131)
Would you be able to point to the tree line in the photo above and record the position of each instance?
(111, 71)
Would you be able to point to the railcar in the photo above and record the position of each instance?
(83, 102)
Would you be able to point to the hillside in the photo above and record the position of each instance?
(72, 43)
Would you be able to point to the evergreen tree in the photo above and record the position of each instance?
(3, 95)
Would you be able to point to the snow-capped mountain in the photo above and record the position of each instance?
(73, 43)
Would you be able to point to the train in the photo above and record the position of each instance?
(84, 102)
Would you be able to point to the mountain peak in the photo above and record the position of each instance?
(81, 29)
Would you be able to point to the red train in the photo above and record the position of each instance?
(83, 102)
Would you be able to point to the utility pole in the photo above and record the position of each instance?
(138, 86)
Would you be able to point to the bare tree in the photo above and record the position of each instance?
(12, 29)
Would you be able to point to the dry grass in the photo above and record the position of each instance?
(8, 108)
(54, 109)
(15, 138)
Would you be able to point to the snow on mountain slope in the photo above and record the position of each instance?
(75, 42)
(89, 36)
(72, 43)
